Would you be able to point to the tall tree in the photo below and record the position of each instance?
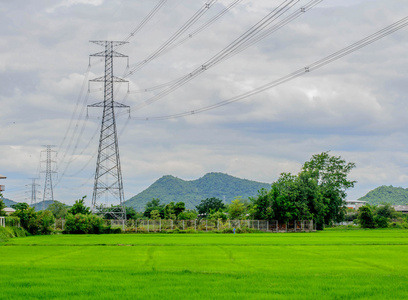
(58, 209)
(2, 206)
(317, 192)
(80, 208)
(330, 173)
(209, 205)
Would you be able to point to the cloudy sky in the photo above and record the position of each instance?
(354, 107)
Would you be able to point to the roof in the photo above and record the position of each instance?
(355, 201)
(9, 209)
(400, 207)
(2, 177)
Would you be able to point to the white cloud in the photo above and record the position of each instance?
(354, 106)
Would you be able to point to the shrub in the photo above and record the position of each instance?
(366, 216)
(83, 224)
(381, 221)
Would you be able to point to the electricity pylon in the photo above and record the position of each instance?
(108, 175)
(34, 192)
(48, 190)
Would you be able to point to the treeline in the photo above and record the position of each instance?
(316, 193)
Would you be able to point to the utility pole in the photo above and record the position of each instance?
(48, 191)
(108, 175)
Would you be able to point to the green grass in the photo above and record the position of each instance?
(357, 264)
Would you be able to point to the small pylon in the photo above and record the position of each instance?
(48, 190)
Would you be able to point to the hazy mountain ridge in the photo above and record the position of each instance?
(387, 194)
(169, 188)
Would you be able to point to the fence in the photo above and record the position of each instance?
(9, 221)
(196, 225)
(214, 225)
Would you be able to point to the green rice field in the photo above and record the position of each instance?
(332, 264)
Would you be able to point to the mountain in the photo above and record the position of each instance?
(169, 188)
(387, 194)
(8, 202)
(39, 205)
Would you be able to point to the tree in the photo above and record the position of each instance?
(237, 209)
(20, 206)
(58, 209)
(2, 206)
(208, 205)
(34, 222)
(366, 216)
(330, 173)
(80, 208)
(155, 214)
(154, 205)
(317, 192)
(169, 212)
(187, 215)
(179, 207)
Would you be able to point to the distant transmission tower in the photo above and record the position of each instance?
(108, 175)
(34, 192)
(48, 191)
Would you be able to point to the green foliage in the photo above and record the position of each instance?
(155, 214)
(9, 232)
(80, 208)
(209, 205)
(132, 214)
(2, 206)
(58, 209)
(317, 192)
(218, 215)
(385, 210)
(169, 212)
(366, 217)
(154, 204)
(237, 209)
(187, 215)
(83, 224)
(387, 194)
(20, 206)
(34, 222)
(217, 185)
(179, 207)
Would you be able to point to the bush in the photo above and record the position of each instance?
(7, 233)
(366, 216)
(83, 224)
(381, 221)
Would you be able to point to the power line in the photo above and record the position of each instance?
(190, 22)
(309, 68)
(234, 47)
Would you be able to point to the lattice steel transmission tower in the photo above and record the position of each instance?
(48, 189)
(34, 191)
(108, 175)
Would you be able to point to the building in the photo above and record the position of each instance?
(2, 187)
(401, 208)
(355, 204)
(8, 210)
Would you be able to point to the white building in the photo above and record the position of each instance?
(355, 204)
(2, 187)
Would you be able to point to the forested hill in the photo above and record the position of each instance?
(387, 194)
(8, 202)
(169, 188)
